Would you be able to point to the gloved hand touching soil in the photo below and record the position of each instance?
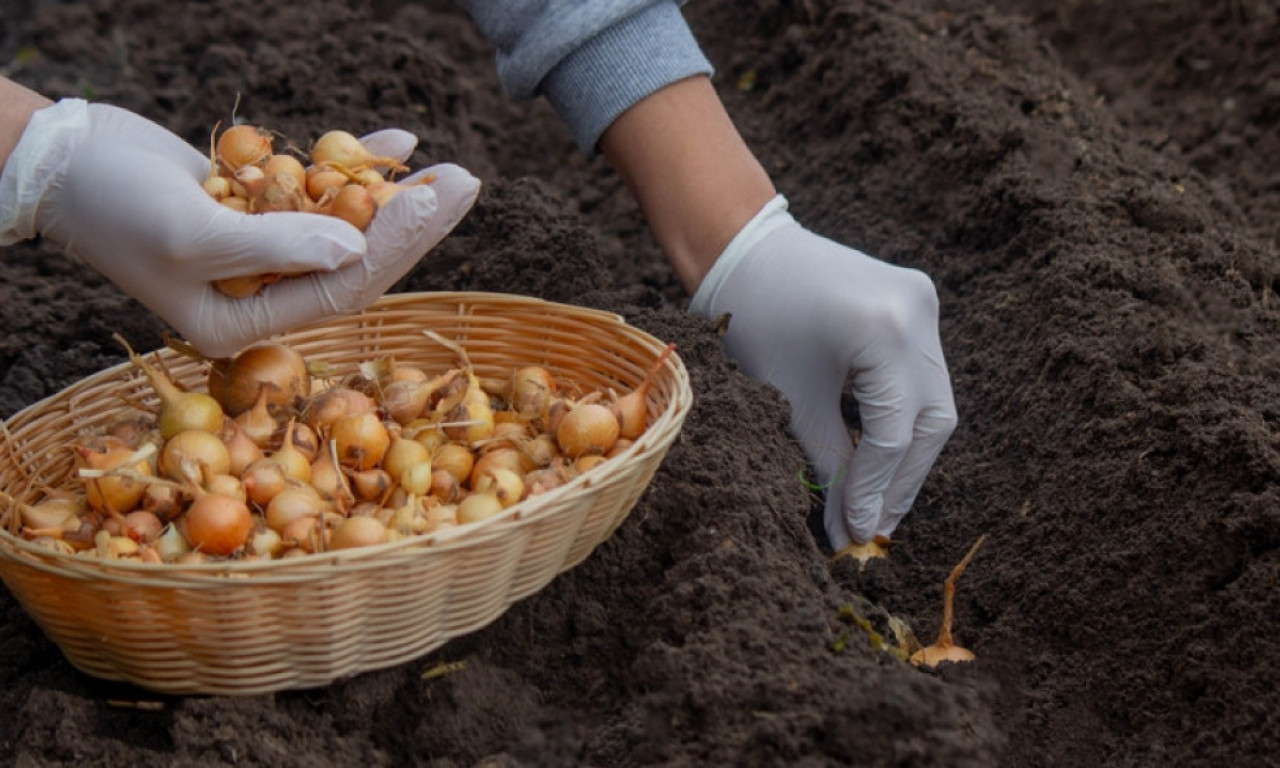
(123, 194)
(805, 313)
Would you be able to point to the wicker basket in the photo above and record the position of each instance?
(255, 627)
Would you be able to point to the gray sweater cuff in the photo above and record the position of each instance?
(612, 71)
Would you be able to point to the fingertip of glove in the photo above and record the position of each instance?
(324, 242)
(455, 188)
(390, 142)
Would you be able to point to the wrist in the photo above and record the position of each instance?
(692, 174)
(769, 218)
(39, 155)
(20, 103)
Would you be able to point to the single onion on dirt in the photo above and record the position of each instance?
(865, 552)
(944, 648)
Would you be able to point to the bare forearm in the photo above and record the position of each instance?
(19, 103)
(693, 176)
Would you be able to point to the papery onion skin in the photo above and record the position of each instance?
(109, 493)
(361, 439)
(587, 429)
(262, 480)
(189, 454)
(344, 151)
(455, 458)
(477, 507)
(358, 532)
(404, 454)
(531, 390)
(292, 503)
(327, 407)
(238, 382)
(216, 524)
(242, 145)
(353, 204)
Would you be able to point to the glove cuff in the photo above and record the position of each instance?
(769, 218)
(40, 156)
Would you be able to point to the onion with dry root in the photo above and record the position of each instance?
(631, 408)
(179, 409)
(944, 648)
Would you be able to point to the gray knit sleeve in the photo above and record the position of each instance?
(592, 60)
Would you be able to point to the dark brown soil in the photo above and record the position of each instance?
(1094, 187)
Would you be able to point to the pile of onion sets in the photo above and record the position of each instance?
(340, 178)
(280, 458)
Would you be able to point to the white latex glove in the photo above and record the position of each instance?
(123, 194)
(805, 312)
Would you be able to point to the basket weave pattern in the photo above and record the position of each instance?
(253, 627)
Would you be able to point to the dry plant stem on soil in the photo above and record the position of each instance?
(944, 648)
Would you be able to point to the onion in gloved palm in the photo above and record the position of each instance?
(805, 314)
(124, 195)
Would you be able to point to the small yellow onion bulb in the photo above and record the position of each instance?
(113, 493)
(531, 390)
(242, 145)
(343, 151)
(188, 455)
(503, 483)
(179, 409)
(355, 532)
(587, 429)
(362, 440)
(275, 371)
(217, 524)
(352, 203)
(478, 507)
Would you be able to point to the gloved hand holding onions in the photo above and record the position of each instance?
(804, 313)
(125, 196)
